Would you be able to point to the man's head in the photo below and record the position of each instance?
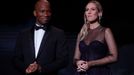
(42, 12)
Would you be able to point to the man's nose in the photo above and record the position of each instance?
(47, 14)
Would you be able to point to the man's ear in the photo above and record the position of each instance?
(34, 12)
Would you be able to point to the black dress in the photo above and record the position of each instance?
(93, 47)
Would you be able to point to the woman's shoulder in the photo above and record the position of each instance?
(106, 29)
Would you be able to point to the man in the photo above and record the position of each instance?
(41, 49)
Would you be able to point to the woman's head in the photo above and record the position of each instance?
(93, 11)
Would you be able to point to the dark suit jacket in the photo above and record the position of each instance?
(52, 52)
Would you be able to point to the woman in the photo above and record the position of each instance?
(95, 47)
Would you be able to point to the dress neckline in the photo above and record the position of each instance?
(95, 28)
(92, 42)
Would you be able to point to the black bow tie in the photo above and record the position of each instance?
(39, 27)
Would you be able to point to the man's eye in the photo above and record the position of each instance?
(43, 11)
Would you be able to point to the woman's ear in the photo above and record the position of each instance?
(85, 19)
(100, 15)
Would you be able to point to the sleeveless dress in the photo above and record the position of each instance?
(93, 47)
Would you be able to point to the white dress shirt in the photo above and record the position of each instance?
(38, 36)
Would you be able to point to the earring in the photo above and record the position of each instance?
(100, 18)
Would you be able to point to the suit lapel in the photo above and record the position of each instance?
(43, 43)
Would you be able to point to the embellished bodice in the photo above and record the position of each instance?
(93, 46)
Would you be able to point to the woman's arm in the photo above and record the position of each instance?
(112, 57)
(77, 51)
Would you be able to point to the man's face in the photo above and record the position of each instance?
(42, 12)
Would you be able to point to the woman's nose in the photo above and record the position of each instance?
(89, 12)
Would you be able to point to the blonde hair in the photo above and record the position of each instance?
(84, 29)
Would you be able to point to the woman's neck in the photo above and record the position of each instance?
(93, 25)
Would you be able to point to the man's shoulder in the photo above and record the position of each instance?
(26, 30)
(55, 29)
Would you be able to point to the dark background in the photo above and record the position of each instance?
(68, 15)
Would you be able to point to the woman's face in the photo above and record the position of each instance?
(91, 12)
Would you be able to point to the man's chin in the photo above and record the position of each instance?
(44, 23)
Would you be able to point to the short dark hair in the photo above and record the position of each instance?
(39, 1)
